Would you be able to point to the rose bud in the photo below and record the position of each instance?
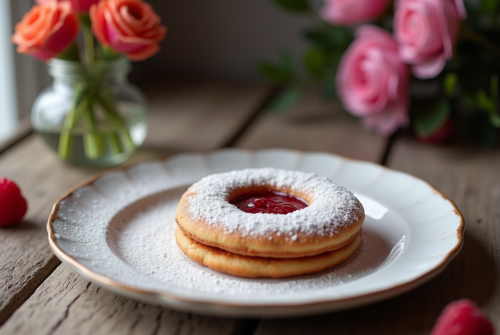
(372, 82)
(130, 27)
(426, 31)
(46, 30)
(440, 135)
(81, 6)
(351, 12)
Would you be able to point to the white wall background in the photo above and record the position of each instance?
(222, 38)
(8, 101)
(31, 74)
(22, 78)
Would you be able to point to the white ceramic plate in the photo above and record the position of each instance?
(117, 231)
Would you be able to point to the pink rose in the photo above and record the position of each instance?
(81, 6)
(130, 27)
(372, 81)
(46, 30)
(426, 31)
(350, 12)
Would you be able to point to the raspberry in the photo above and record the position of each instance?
(12, 204)
(462, 317)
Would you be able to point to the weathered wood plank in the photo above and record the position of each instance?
(314, 124)
(469, 177)
(67, 304)
(177, 123)
(26, 257)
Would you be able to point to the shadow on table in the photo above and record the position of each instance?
(311, 119)
(471, 275)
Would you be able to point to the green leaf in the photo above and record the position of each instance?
(341, 36)
(329, 38)
(70, 53)
(279, 73)
(287, 63)
(293, 5)
(494, 120)
(429, 120)
(489, 6)
(484, 102)
(482, 132)
(494, 89)
(285, 100)
(274, 73)
(468, 101)
(330, 89)
(314, 62)
(490, 104)
(450, 84)
(320, 39)
(109, 54)
(85, 19)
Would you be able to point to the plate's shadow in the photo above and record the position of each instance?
(472, 274)
(373, 253)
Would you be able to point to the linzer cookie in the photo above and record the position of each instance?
(269, 214)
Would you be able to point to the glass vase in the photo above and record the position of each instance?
(91, 115)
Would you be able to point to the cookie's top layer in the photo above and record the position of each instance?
(330, 206)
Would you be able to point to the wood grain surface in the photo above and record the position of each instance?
(26, 257)
(469, 176)
(200, 115)
(22, 131)
(315, 125)
(67, 304)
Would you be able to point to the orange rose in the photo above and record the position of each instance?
(129, 27)
(47, 30)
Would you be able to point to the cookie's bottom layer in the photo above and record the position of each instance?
(247, 266)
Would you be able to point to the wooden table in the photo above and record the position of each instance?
(39, 295)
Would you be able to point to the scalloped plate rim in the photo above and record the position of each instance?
(246, 309)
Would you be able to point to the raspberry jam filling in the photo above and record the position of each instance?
(268, 202)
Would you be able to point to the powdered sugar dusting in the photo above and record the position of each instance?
(144, 239)
(333, 206)
(138, 249)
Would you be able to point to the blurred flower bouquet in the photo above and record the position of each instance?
(442, 53)
(86, 42)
